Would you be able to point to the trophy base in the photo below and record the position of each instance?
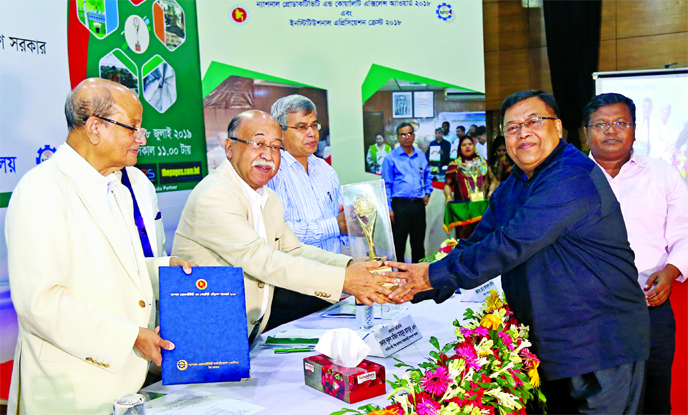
(477, 197)
(380, 270)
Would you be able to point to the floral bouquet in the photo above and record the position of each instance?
(445, 248)
(488, 370)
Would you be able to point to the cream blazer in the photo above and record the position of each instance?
(79, 293)
(216, 229)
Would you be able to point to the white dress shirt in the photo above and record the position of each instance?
(654, 203)
(310, 201)
(481, 149)
(257, 200)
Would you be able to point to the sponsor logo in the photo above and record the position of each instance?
(182, 365)
(444, 12)
(150, 170)
(201, 284)
(45, 153)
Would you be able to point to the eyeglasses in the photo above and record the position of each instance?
(258, 146)
(532, 123)
(404, 135)
(604, 126)
(140, 132)
(302, 128)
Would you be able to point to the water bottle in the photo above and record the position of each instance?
(364, 316)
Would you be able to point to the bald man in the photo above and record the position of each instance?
(80, 283)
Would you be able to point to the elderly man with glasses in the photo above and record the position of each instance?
(555, 233)
(83, 291)
(312, 201)
(233, 218)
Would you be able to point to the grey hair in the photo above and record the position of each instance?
(78, 108)
(284, 106)
(233, 126)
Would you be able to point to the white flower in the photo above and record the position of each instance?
(506, 400)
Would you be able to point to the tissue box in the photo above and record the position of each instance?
(349, 384)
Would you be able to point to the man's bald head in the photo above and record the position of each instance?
(94, 96)
(256, 164)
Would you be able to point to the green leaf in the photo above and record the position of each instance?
(449, 346)
(345, 411)
(434, 342)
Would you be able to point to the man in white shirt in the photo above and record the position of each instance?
(311, 198)
(481, 144)
(80, 283)
(654, 202)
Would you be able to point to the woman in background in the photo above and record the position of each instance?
(499, 160)
(461, 183)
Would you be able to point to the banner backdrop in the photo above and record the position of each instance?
(348, 48)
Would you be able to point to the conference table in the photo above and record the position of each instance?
(277, 380)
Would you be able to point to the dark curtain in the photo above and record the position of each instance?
(573, 41)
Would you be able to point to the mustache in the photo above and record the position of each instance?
(262, 162)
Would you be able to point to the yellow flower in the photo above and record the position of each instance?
(384, 412)
(491, 322)
(493, 301)
(533, 375)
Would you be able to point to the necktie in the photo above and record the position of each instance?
(138, 219)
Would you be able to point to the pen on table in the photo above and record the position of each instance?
(296, 350)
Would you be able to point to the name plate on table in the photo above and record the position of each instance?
(480, 293)
(204, 315)
(393, 337)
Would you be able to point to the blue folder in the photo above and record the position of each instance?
(204, 315)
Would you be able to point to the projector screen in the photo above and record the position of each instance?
(661, 110)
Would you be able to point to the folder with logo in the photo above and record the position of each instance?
(204, 315)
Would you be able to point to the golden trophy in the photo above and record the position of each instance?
(366, 214)
(474, 169)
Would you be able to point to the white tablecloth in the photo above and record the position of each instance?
(277, 381)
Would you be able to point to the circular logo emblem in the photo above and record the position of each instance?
(239, 15)
(201, 284)
(45, 153)
(182, 365)
(444, 12)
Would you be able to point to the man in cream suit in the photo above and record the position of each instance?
(79, 281)
(232, 218)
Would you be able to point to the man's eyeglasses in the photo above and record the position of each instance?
(302, 128)
(533, 123)
(140, 132)
(404, 135)
(604, 126)
(258, 146)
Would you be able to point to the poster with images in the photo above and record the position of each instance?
(151, 47)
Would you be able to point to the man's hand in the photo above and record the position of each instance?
(186, 265)
(364, 285)
(416, 276)
(148, 343)
(426, 199)
(391, 217)
(341, 221)
(663, 280)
